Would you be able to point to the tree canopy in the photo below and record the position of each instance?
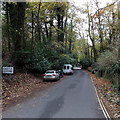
(45, 35)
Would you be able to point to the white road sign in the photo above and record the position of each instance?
(8, 70)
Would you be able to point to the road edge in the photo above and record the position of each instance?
(106, 114)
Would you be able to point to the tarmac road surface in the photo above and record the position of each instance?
(72, 97)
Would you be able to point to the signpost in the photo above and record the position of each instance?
(8, 71)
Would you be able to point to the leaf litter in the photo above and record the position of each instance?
(20, 87)
(107, 94)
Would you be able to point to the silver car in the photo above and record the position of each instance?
(51, 75)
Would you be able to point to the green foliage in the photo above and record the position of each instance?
(100, 71)
(109, 61)
(67, 59)
(47, 56)
(108, 58)
(45, 59)
(115, 68)
(108, 66)
(22, 59)
(39, 49)
(85, 63)
(40, 63)
(6, 64)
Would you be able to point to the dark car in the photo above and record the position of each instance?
(60, 73)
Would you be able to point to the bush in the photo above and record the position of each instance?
(108, 66)
(40, 64)
(85, 63)
(6, 64)
(100, 71)
(22, 59)
(43, 58)
(115, 68)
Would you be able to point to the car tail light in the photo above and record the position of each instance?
(53, 74)
(44, 75)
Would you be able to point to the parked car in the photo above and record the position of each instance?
(60, 73)
(68, 69)
(51, 75)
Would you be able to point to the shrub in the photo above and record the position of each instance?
(108, 66)
(22, 59)
(85, 63)
(40, 64)
(100, 71)
(6, 64)
(44, 57)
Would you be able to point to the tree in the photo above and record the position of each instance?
(17, 17)
(91, 33)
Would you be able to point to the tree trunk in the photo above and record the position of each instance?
(110, 33)
(58, 19)
(8, 29)
(65, 36)
(60, 25)
(62, 30)
(32, 42)
(100, 35)
(91, 35)
(119, 30)
(50, 30)
(99, 27)
(17, 15)
(70, 43)
(39, 23)
(113, 28)
(46, 30)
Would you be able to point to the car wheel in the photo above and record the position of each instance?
(44, 80)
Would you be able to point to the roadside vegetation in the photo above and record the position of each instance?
(41, 36)
(36, 36)
(104, 54)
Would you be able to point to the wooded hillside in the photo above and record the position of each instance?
(41, 36)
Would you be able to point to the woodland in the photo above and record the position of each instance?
(37, 36)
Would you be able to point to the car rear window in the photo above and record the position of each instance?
(64, 67)
(50, 72)
(68, 67)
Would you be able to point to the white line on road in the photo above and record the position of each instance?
(107, 116)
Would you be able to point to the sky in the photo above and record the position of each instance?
(82, 2)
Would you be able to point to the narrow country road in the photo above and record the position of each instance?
(72, 97)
